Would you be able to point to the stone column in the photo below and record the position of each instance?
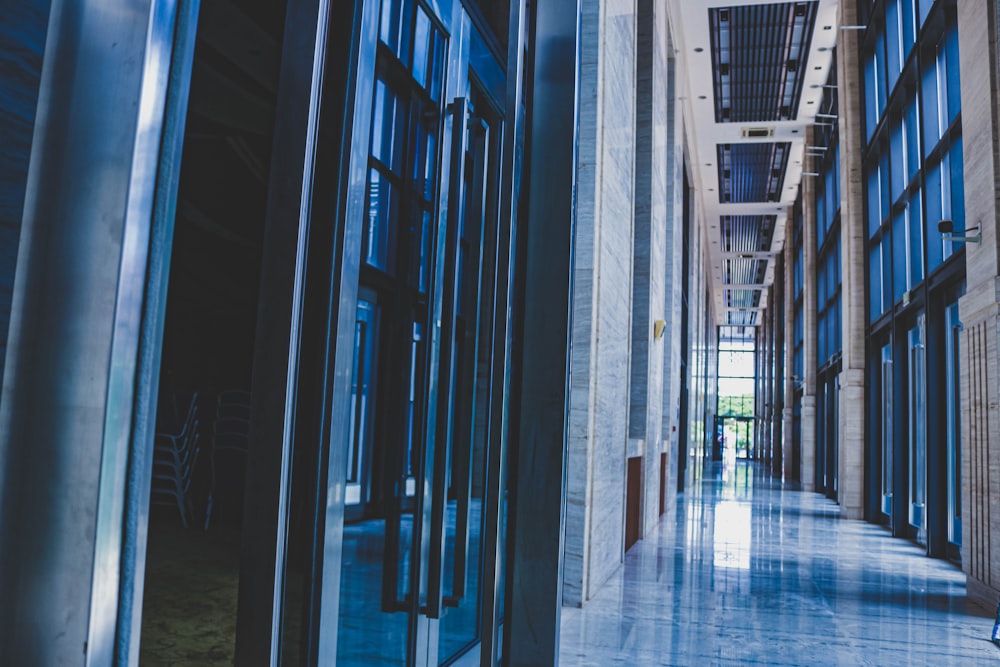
(787, 419)
(853, 256)
(980, 307)
(807, 468)
(778, 322)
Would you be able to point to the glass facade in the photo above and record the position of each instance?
(913, 174)
(913, 158)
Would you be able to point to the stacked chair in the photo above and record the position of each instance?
(230, 445)
(175, 453)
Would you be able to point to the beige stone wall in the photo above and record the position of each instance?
(980, 307)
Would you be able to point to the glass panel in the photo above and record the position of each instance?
(874, 200)
(871, 95)
(956, 199)
(900, 257)
(377, 242)
(387, 128)
(915, 241)
(911, 145)
(887, 433)
(875, 282)
(918, 429)
(925, 9)
(893, 50)
(897, 158)
(931, 106)
(932, 200)
(953, 329)
(362, 401)
(951, 64)
(394, 27)
(908, 24)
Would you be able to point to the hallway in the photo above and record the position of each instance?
(750, 573)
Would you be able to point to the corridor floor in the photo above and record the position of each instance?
(751, 574)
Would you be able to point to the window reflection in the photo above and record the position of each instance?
(732, 535)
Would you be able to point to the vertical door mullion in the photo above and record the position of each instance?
(353, 185)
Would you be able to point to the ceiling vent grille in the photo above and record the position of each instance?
(758, 58)
(758, 132)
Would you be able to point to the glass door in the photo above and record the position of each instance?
(887, 430)
(421, 455)
(953, 330)
(917, 431)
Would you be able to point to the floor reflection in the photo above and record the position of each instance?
(748, 572)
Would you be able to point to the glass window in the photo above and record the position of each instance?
(900, 256)
(875, 282)
(894, 47)
(915, 241)
(874, 200)
(872, 110)
(925, 8)
(907, 18)
(382, 204)
(911, 145)
(393, 27)
(932, 200)
(897, 158)
(387, 128)
(951, 68)
(957, 199)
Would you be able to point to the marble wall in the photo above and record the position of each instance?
(602, 300)
(624, 383)
(979, 309)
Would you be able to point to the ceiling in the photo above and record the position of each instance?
(752, 76)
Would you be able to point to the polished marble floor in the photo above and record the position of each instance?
(748, 573)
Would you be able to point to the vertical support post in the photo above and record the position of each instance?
(278, 333)
(807, 470)
(539, 453)
(853, 411)
(69, 385)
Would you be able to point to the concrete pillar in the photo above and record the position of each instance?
(777, 316)
(538, 465)
(73, 386)
(980, 307)
(853, 412)
(807, 470)
(787, 413)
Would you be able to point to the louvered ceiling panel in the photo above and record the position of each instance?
(742, 298)
(747, 233)
(758, 59)
(750, 173)
(743, 271)
(744, 318)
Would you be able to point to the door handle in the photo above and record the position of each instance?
(462, 466)
(458, 109)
